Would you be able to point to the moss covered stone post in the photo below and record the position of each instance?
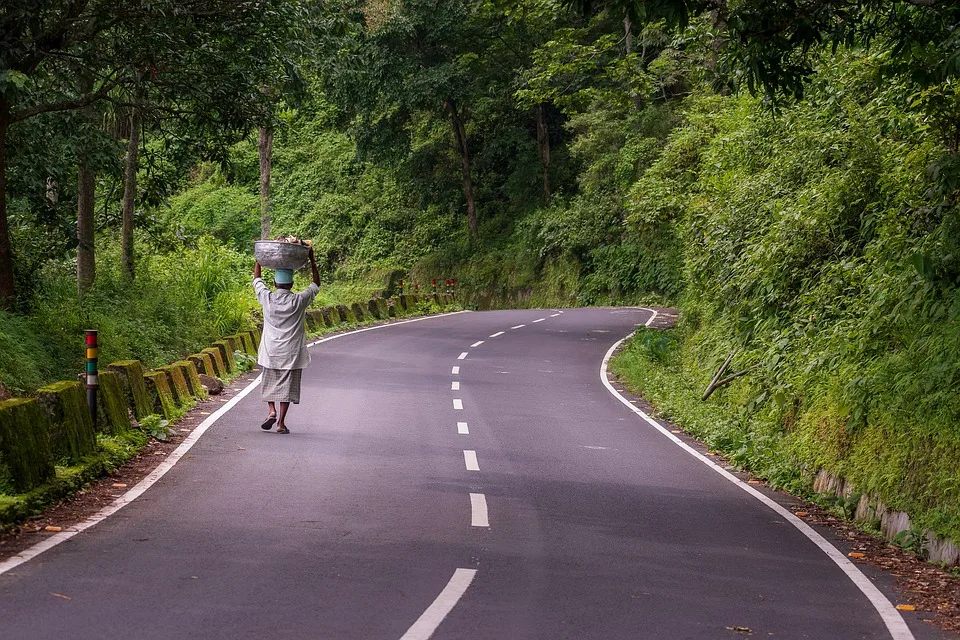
(345, 314)
(177, 383)
(113, 415)
(226, 353)
(236, 344)
(161, 396)
(139, 399)
(216, 358)
(357, 311)
(192, 377)
(248, 346)
(204, 364)
(25, 443)
(72, 434)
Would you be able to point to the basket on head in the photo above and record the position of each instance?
(273, 254)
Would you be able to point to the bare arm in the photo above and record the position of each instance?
(313, 266)
(256, 270)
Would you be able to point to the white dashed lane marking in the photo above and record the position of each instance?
(477, 343)
(470, 459)
(462, 355)
(540, 320)
(454, 386)
(519, 326)
(455, 371)
(478, 508)
(462, 428)
(458, 404)
(498, 333)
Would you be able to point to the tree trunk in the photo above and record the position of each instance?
(628, 45)
(86, 256)
(265, 149)
(460, 136)
(130, 195)
(543, 144)
(719, 17)
(7, 290)
(628, 34)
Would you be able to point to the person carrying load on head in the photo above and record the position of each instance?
(283, 350)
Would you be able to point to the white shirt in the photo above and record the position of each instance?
(284, 341)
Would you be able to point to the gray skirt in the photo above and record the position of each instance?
(281, 385)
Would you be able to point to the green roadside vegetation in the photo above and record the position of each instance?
(820, 248)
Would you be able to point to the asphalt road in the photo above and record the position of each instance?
(572, 517)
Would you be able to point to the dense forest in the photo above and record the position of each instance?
(785, 173)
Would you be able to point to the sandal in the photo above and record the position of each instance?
(268, 423)
(283, 430)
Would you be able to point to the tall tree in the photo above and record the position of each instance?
(386, 68)
(86, 255)
(86, 227)
(129, 204)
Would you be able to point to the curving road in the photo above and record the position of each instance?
(465, 476)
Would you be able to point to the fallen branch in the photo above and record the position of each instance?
(716, 377)
(718, 382)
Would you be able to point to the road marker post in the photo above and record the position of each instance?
(92, 382)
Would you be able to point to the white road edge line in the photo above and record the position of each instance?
(540, 320)
(427, 623)
(470, 459)
(462, 355)
(478, 510)
(519, 326)
(138, 489)
(458, 404)
(462, 429)
(888, 613)
(498, 333)
(455, 371)
(477, 343)
(455, 385)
